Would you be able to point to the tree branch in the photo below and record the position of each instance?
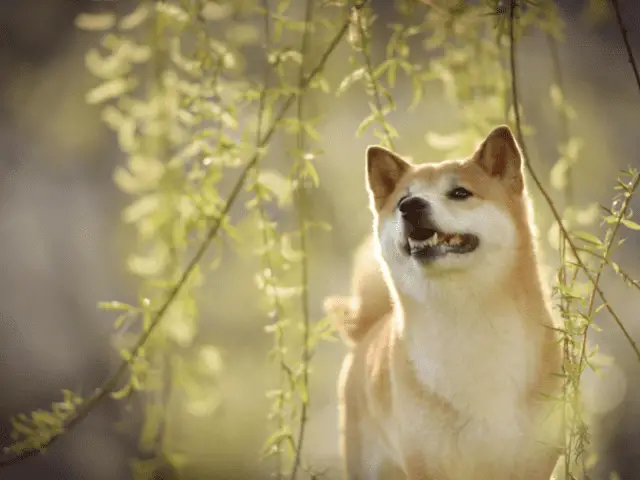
(627, 45)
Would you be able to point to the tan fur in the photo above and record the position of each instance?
(371, 299)
(388, 414)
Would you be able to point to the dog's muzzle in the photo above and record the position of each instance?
(416, 218)
(423, 240)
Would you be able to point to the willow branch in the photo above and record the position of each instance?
(627, 44)
(302, 216)
(626, 277)
(373, 84)
(267, 233)
(605, 257)
(545, 194)
(110, 384)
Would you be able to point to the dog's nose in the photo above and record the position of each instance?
(412, 207)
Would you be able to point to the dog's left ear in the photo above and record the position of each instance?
(500, 156)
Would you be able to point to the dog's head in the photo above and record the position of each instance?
(456, 216)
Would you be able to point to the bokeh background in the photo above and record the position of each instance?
(63, 244)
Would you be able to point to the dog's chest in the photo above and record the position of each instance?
(480, 363)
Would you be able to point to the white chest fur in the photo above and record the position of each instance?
(481, 360)
(469, 355)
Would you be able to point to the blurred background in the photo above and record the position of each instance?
(63, 243)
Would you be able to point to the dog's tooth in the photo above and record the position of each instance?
(415, 244)
(455, 240)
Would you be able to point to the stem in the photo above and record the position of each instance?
(625, 276)
(565, 130)
(604, 261)
(627, 45)
(302, 216)
(373, 83)
(267, 232)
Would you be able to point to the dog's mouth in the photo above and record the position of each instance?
(427, 244)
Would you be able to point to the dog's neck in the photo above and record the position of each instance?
(455, 299)
(463, 338)
(459, 297)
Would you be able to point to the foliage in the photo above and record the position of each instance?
(174, 90)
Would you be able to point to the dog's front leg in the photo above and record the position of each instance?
(361, 452)
(417, 468)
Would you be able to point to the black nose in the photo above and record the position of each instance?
(412, 207)
(416, 218)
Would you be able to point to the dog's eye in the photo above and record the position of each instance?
(459, 193)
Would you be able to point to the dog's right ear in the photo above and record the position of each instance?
(500, 156)
(384, 170)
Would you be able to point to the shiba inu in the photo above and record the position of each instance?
(454, 352)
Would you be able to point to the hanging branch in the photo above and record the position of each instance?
(621, 215)
(373, 84)
(302, 217)
(268, 235)
(627, 45)
(110, 384)
(545, 194)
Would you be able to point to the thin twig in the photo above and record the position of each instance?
(627, 45)
(374, 85)
(110, 384)
(605, 258)
(565, 130)
(621, 272)
(302, 218)
(552, 207)
(267, 234)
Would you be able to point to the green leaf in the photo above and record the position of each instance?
(630, 224)
(588, 215)
(215, 11)
(108, 67)
(366, 123)
(135, 18)
(276, 438)
(122, 393)
(95, 21)
(443, 142)
(143, 207)
(151, 264)
(115, 305)
(309, 171)
(558, 175)
(572, 149)
(173, 13)
(288, 252)
(278, 185)
(350, 79)
(555, 93)
(109, 90)
(588, 237)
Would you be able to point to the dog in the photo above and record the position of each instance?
(455, 356)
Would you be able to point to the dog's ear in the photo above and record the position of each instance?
(384, 170)
(500, 156)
